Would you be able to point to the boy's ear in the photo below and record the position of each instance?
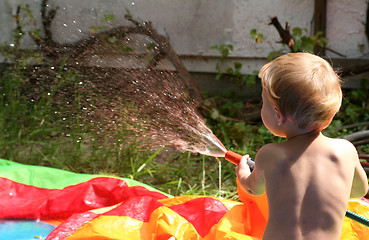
(280, 117)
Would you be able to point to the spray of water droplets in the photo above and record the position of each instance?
(159, 109)
(123, 87)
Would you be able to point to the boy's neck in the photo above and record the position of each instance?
(303, 133)
(292, 131)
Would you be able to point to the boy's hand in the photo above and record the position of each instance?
(243, 169)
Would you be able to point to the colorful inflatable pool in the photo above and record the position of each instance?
(45, 203)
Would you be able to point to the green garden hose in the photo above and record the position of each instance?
(358, 218)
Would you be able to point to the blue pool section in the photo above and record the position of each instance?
(24, 229)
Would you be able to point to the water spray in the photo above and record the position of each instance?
(215, 148)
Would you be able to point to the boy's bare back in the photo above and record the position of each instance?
(309, 178)
(308, 183)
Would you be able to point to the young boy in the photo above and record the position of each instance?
(309, 178)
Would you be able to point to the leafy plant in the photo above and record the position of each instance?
(302, 42)
(233, 72)
(258, 37)
(307, 43)
(12, 52)
(355, 104)
(107, 19)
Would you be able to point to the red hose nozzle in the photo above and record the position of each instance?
(233, 157)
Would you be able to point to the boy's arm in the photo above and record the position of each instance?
(360, 181)
(252, 182)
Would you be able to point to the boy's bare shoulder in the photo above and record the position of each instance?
(338, 140)
(341, 146)
(281, 151)
(269, 151)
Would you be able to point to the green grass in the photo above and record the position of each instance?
(45, 121)
(42, 130)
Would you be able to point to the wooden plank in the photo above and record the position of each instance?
(320, 20)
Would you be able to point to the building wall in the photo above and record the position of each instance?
(193, 26)
(346, 28)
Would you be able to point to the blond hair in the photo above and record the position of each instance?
(304, 88)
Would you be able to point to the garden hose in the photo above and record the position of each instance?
(357, 217)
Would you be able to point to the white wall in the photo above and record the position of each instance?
(346, 28)
(193, 26)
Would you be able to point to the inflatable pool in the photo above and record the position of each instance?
(45, 203)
